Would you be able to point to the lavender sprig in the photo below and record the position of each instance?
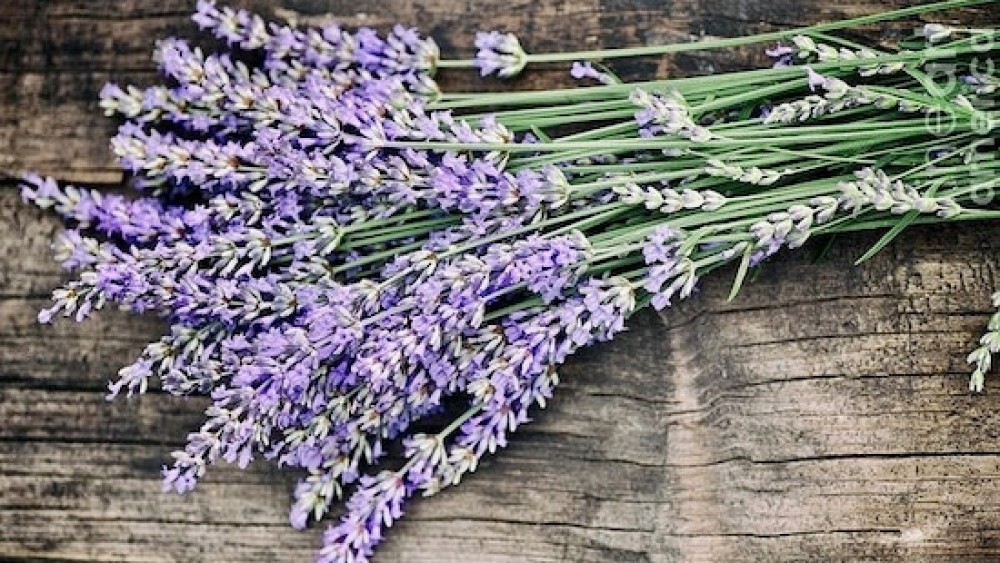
(989, 344)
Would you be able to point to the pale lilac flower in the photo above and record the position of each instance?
(816, 80)
(586, 70)
(500, 54)
(782, 54)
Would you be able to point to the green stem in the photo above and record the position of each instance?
(712, 44)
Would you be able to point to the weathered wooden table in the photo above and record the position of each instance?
(823, 414)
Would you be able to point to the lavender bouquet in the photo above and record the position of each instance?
(354, 262)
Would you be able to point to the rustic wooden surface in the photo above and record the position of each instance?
(822, 415)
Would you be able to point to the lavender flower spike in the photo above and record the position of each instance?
(500, 54)
(989, 344)
(666, 113)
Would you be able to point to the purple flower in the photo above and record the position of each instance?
(375, 506)
(666, 114)
(500, 54)
(816, 80)
(671, 272)
(782, 54)
(586, 70)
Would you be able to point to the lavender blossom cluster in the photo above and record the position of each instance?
(274, 228)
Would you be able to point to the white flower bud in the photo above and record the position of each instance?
(804, 43)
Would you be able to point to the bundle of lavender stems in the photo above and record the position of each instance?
(354, 262)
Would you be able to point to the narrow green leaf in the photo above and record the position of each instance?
(888, 236)
(898, 228)
(741, 274)
(747, 110)
(542, 135)
(927, 82)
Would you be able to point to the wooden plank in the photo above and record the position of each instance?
(822, 415)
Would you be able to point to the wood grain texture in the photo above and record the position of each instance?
(823, 415)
